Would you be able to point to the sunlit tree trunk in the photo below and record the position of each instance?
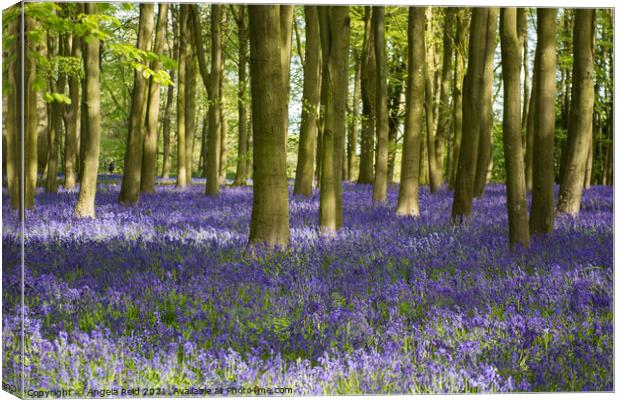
(352, 129)
(518, 227)
(443, 128)
(149, 153)
(130, 188)
(334, 25)
(181, 96)
(379, 193)
(270, 217)
(73, 119)
(310, 104)
(13, 108)
(579, 142)
(414, 92)
(395, 90)
(85, 206)
(541, 216)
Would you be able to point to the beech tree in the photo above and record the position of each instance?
(379, 193)
(541, 215)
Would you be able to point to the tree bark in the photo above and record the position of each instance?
(149, 153)
(310, 104)
(395, 90)
(214, 142)
(443, 128)
(579, 143)
(541, 217)
(130, 188)
(485, 143)
(379, 193)
(352, 130)
(335, 26)
(13, 114)
(472, 107)
(181, 96)
(518, 227)
(414, 92)
(270, 217)
(459, 72)
(85, 207)
(165, 168)
(368, 88)
(73, 119)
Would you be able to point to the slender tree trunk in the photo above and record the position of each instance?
(310, 104)
(513, 148)
(472, 105)
(352, 130)
(414, 92)
(459, 72)
(165, 168)
(72, 119)
(541, 217)
(241, 175)
(85, 206)
(368, 88)
(149, 153)
(181, 96)
(130, 188)
(335, 26)
(434, 173)
(395, 90)
(523, 37)
(530, 133)
(214, 142)
(30, 160)
(270, 221)
(485, 143)
(55, 131)
(379, 193)
(443, 128)
(579, 142)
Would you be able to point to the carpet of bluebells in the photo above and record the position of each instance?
(166, 295)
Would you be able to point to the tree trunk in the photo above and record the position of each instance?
(472, 105)
(72, 119)
(530, 132)
(541, 217)
(459, 71)
(149, 153)
(434, 172)
(379, 193)
(56, 107)
(513, 147)
(270, 221)
(368, 88)
(395, 90)
(414, 92)
(443, 128)
(165, 168)
(241, 175)
(523, 37)
(352, 130)
(310, 104)
(130, 188)
(85, 206)
(182, 97)
(214, 142)
(13, 116)
(579, 141)
(335, 26)
(485, 143)
(30, 160)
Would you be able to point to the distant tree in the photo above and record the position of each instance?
(513, 147)
(580, 124)
(269, 85)
(408, 195)
(190, 101)
(73, 115)
(174, 54)
(334, 22)
(241, 175)
(541, 216)
(85, 206)
(149, 153)
(130, 188)
(354, 117)
(310, 104)
(379, 193)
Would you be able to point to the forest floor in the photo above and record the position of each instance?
(164, 296)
